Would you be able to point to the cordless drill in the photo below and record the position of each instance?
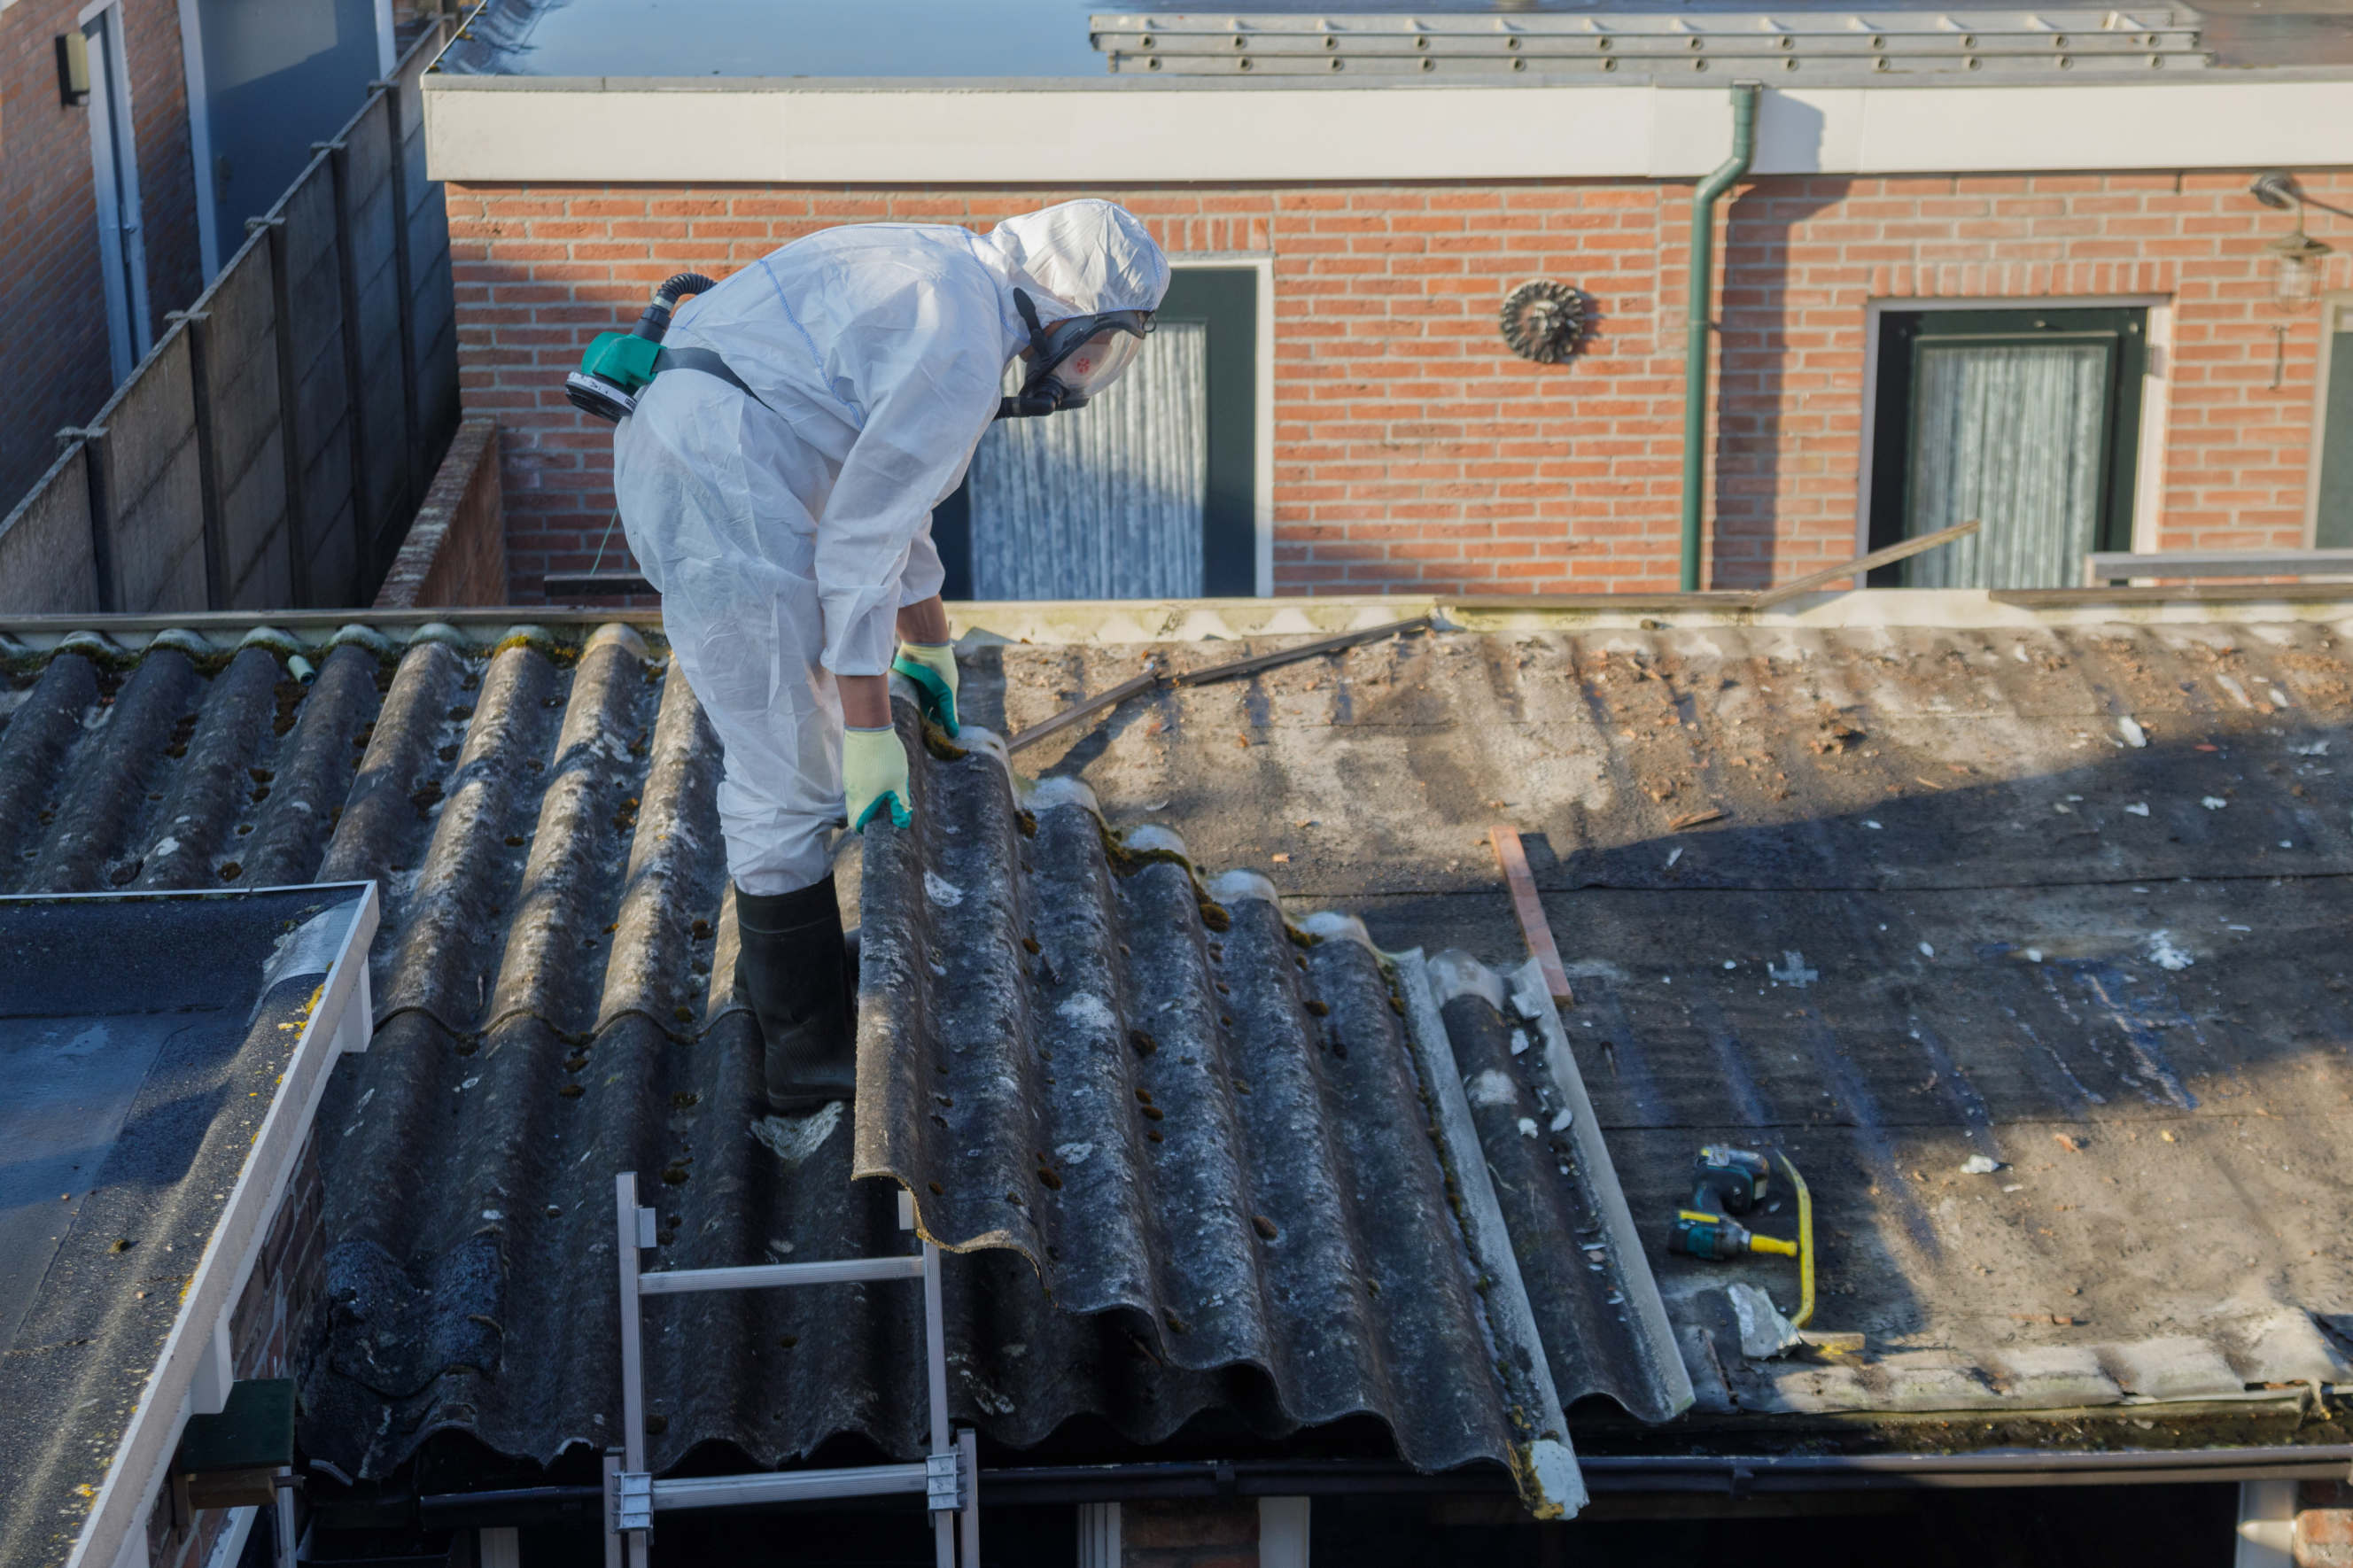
(1726, 1182)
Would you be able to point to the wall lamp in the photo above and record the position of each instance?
(2295, 256)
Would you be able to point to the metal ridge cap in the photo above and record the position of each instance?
(1599, 1170)
(1547, 1452)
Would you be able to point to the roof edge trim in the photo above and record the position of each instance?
(827, 133)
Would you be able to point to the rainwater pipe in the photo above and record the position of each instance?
(1702, 277)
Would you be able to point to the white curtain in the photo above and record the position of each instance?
(1104, 501)
(2009, 435)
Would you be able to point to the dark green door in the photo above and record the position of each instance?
(2332, 523)
(2027, 420)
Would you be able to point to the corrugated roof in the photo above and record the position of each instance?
(541, 818)
(1279, 1234)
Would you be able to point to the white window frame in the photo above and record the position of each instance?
(112, 124)
(2155, 395)
(2332, 306)
(1262, 262)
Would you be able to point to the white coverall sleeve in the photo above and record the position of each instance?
(929, 393)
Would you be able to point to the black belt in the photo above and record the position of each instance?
(708, 364)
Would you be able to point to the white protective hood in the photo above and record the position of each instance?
(1078, 258)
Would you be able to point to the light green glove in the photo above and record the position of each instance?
(932, 668)
(873, 772)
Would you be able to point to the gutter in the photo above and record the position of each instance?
(1733, 1475)
(1703, 275)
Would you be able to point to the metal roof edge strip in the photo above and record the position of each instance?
(1548, 1459)
(1532, 1000)
(338, 1023)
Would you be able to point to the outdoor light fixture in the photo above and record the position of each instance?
(2294, 254)
(73, 70)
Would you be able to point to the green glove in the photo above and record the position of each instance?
(932, 668)
(874, 772)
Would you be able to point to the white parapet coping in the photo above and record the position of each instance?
(491, 130)
(190, 1375)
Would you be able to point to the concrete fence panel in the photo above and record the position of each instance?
(271, 450)
(149, 479)
(432, 308)
(373, 301)
(238, 337)
(47, 566)
(327, 550)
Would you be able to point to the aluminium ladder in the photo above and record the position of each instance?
(949, 1478)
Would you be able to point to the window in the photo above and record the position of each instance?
(2028, 420)
(2332, 504)
(1148, 492)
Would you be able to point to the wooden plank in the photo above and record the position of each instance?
(1860, 565)
(2104, 566)
(1072, 714)
(1230, 670)
(1236, 669)
(1513, 858)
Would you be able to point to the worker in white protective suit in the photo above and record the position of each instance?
(776, 482)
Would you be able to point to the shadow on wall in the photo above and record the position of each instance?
(1765, 361)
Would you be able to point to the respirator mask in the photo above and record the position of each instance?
(1074, 358)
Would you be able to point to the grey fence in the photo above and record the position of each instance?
(270, 450)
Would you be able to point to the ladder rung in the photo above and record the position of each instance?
(681, 1281)
(789, 1486)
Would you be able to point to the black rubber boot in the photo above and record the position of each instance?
(794, 970)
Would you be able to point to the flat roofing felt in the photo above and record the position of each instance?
(141, 1043)
(1029, 41)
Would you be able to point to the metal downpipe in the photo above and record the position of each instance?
(1703, 277)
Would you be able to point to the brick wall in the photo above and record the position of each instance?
(2324, 1525)
(1805, 255)
(55, 365)
(456, 552)
(1411, 449)
(1188, 1534)
(265, 1330)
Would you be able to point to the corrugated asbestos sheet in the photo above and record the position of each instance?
(2070, 897)
(1170, 1098)
(1195, 1147)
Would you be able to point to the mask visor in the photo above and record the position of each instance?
(1090, 368)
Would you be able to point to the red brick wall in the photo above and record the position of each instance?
(2324, 1525)
(1188, 1534)
(1412, 450)
(456, 552)
(55, 368)
(1807, 255)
